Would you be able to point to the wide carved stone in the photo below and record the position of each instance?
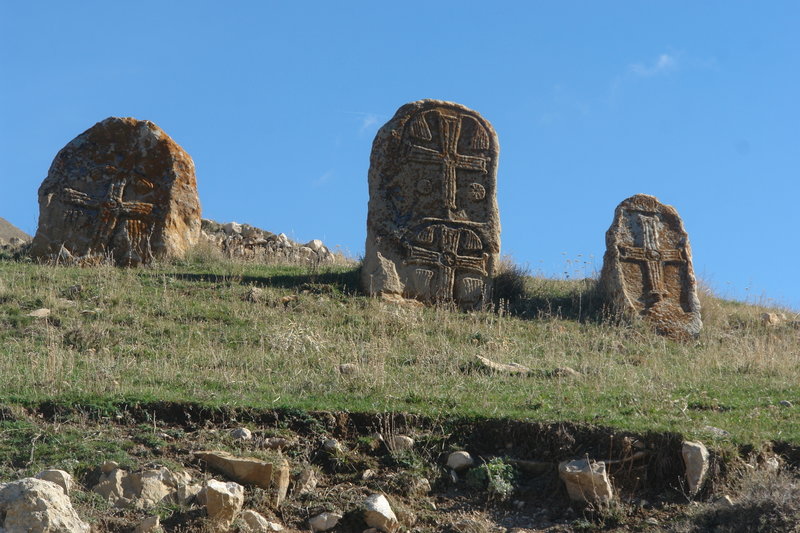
(122, 190)
(433, 228)
(647, 268)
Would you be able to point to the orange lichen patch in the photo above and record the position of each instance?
(123, 191)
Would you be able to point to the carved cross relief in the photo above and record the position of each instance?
(652, 257)
(448, 157)
(112, 209)
(443, 255)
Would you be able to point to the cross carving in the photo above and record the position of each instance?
(110, 208)
(652, 257)
(449, 158)
(444, 257)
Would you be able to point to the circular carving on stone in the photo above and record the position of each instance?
(448, 259)
(653, 254)
(477, 192)
(424, 186)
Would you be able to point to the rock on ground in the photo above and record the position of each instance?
(379, 514)
(324, 521)
(223, 501)
(586, 481)
(59, 477)
(37, 505)
(250, 471)
(460, 461)
(695, 459)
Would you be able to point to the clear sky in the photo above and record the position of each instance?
(278, 103)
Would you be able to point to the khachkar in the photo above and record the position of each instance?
(647, 268)
(433, 228)
(122, 190)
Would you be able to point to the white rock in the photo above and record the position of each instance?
(186, 493)
(258, 524)
(151, 487)
(378, 513)
(148, 525)
(40, 313)
(324, 521)
(283, 240)
(242, 434)
(460, 461)
(306, 482)
(771, 319)
(316, 245)
(400, 443)
(695, 459)
(59, 477)
(771, 464)
(232, 227)
(37, 505)
(332, 446)
(223, 501)
(586, 481)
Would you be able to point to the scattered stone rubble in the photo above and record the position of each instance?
(242, 241)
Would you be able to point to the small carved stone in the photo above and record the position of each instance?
(121, 190)
(647, 268)
(433, 228)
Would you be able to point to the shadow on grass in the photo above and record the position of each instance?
(528, 297)
(345, 282)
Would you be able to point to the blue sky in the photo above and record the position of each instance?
(278, 103)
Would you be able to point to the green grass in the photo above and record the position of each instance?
(184, 332)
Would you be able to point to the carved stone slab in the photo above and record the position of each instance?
(122, 190)
(647, 268)
(433, 228)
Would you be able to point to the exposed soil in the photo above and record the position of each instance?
(646, 469)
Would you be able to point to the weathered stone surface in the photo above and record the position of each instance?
(122, 189)
(647, 268)
(223, 501)
(433, 228)
(37, 505)
(695, 459)
(250, 471)
(379, 514)
(460, 461)
(324, 521)
(255, 523)
(59, 477)
(586, 481)
(143, 489)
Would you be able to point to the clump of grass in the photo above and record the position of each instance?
(764, 502)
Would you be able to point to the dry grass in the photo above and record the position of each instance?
(186, 332)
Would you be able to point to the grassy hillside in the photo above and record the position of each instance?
(188, 332)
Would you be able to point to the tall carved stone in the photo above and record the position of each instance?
(647, 268)
(123, 190)
(433, 228)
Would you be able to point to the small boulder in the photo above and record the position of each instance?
(250, 471)
(33, 504)
(586, 481)
(306, 482)
(315, 245)
(399, 443)
(695, 459)
(460, 461)
(223, 501)
(255, 523)
(324, 521)
(59, 477)
(378, 513)
(771, 319)
(232, 228)
(242, 434)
